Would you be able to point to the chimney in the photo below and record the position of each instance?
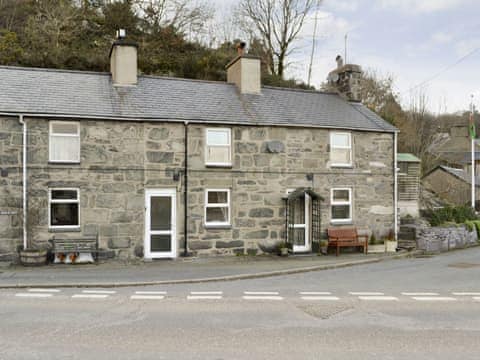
(244, 71)
(123, 60)
(346, 80)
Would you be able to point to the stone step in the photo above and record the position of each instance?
(406, 236)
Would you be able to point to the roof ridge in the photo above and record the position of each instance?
(299, 90)
(39, 69)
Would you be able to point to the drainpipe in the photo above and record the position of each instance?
(24, 182)
(185, 195)
(395, 185)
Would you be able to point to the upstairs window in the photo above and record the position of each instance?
(217, 207)
(341, 204)
(64, 208)
(64, 142)
(340, 149)
(218, 151)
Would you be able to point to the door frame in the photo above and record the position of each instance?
(149, 193)
(307, 226)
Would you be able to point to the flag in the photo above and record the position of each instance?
(471, 127)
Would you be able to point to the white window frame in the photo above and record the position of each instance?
(229, 134)
(51, 135)
(337, 202)
(217, 205)
(62, 201)
(349, 147)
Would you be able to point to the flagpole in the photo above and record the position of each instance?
(472, 139)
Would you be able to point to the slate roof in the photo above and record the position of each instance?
(458, 173)
(84, 94)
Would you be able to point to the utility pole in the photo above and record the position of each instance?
(472, 139)
(345, 57)
(314, 40)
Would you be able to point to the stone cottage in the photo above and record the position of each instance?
(164, 167)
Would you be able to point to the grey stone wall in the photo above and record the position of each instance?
(11, 231)
(119, 160)
(440, 239)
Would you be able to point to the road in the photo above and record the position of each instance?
(425, 308)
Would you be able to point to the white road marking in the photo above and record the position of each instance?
(366, 293)
(44, 290)
(150, 292)
(147, 297)
(430, 298)
(265, 297)
(204, 297)
(260, 292)
(99, 292)
(33, 295)
(476, 298)
(315, 293)
(320, 298)
(89, 296)
(466, 293)
(206, 292)
(378, 298)
(419, 294)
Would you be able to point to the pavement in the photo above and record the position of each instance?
(179, 271)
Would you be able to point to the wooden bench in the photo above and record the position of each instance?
(343, 237)
(85, 244)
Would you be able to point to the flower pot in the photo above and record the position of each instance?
(33, 257)
(390, 246)
(376, 249)
(283, 251)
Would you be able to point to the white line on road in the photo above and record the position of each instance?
(366, 293)
(98, 292)
(476, 298)
(320, 298)
(206, 292)
(419, 294)
(466, 293)
(260, 292)
(265, 297)
(204, 297)
(89, 296)
(33, 295)
(315, 293)
(378, 298)
(430, 298)
(44, 290)
(150, 292)
(147, 297)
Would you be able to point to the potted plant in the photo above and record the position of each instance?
(375, 246)
(283, 249)
(324, 246)
(32, 254)
(390, 243)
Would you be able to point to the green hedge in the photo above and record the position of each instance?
(458, 214)
(473, 224)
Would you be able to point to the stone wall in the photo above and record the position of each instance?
(119, 160)
(440, 239)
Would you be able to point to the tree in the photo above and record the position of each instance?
(278, 24)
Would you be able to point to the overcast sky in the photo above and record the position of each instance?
(415, 41)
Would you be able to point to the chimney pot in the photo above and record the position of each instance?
(241, 48)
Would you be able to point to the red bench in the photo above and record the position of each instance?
(342, 237)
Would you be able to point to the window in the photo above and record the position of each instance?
(218, 147)
(340, 149)
(64, 208)
(341, 203)
(64, 143)
(217, 207)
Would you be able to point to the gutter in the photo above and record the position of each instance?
(395, 186)
(24, 182)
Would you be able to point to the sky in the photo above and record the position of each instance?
(425, 45)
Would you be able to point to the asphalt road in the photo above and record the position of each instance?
(404, 309)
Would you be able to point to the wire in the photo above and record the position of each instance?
(442, 71)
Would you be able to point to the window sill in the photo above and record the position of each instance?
(62, 230)
(63, 162)
(227, 166)
(208, 226)
(346, 166)
(341, 222)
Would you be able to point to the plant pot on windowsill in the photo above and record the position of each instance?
(33, 257)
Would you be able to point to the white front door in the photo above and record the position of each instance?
(301, 226)
(160, 219)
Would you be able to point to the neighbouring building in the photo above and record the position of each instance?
(159, 166)
(409, 169)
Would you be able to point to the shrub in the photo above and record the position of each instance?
(458, 214)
